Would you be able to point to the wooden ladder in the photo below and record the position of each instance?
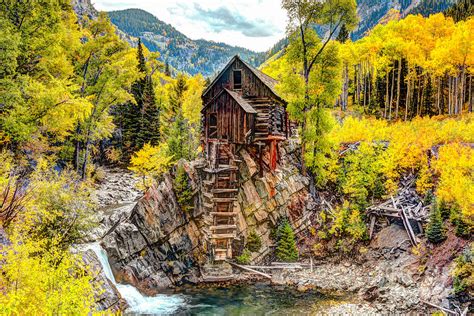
(220, 193)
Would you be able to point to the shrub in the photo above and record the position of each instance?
(360, 175)
(53, 283)
(435, 231)
(286, 245)
(183, 189)
(244, 258)
(348, 222)
(463, 272)
(254, 242)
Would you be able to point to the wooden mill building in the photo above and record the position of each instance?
(241, 109)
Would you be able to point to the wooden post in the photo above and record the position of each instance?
(273, 154)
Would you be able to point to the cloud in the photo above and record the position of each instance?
(223, 19)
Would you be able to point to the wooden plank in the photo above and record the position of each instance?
(223, 200)
(372, 224)
(250, 270)
(223, 227)
(217, 191)
(406, 223)
(223, 213)
(223, 236)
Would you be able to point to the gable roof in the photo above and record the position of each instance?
(237, 98)
(265, 79)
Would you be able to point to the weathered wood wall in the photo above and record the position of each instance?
(233, 122)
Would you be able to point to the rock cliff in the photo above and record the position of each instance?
(158, 245)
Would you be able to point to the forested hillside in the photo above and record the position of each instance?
(371, 12)
(182, 53)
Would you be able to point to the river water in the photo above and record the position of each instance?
(249, 299)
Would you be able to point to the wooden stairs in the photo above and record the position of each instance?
(220, 189)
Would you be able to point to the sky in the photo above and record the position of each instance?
(253, 24)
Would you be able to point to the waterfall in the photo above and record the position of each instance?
(138, 304)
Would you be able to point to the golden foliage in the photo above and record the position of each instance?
(150, 162)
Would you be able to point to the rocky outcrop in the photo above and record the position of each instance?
(158, 245)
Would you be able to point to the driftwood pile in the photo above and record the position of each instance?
(407, 206)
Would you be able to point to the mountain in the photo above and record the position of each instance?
(181, 52)
(372, 12)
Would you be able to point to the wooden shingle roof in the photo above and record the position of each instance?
(237, 98)
(241, 101)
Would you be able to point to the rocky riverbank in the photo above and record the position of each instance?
(389, 278)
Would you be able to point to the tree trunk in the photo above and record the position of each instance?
(449, 95)
(77, 149)
(370, 87)
(391, 95)
(346, 87)
(86, 157)
(422, 95)
(398, 87)
(438, 96)
(407, 102)
(470, 93)
(386, 96)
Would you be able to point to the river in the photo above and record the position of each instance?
(248, 299)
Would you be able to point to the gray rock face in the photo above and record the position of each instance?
(157, 245)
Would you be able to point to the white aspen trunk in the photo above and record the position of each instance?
(386, 96)
(407, 102)
(391, 95)
(398, 87)
(438, 94)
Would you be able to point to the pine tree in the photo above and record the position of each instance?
(254, 242)
(286, 245)
(183, 189)
(435, 231)
(167, 69)
(141, 120)
(343, 35)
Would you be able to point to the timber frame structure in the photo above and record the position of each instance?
(241, 109)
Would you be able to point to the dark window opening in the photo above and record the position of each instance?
(237, 79)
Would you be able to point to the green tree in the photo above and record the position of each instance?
(105, 69)
(183, 189)
(38, 41)
(310, 51)
(286, 245)
(435, 231)
(254, 242)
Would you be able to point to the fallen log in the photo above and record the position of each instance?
(440, 308)
(249, 269)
